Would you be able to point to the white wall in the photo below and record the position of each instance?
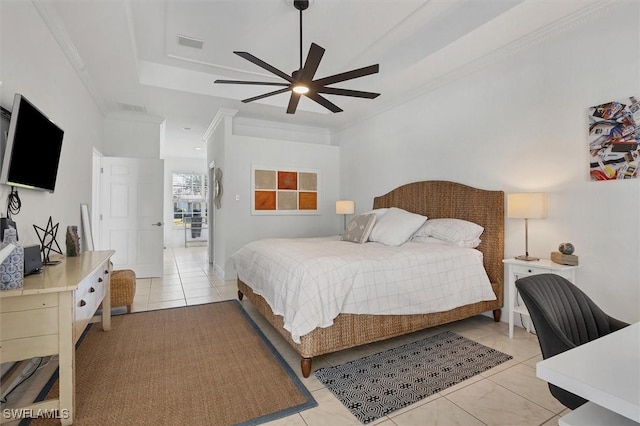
(33, 64)
(520, 124)
(131, 134)
(234, 224)
(174, 235)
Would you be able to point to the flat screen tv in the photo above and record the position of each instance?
(32, 150)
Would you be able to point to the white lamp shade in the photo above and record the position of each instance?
(345, 207)
(527, 205)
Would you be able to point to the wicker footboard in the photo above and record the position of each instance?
(350, 330)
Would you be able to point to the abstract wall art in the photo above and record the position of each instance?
(284, 191)
(614, 140)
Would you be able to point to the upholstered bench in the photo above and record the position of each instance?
(123, 288)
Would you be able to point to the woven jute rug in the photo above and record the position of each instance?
(376, 385)
(197, 365)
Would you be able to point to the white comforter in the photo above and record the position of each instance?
(309, 281)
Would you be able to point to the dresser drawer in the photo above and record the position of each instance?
(31, 323)
(28, 326)
(87, 298)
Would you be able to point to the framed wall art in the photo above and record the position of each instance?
(286, 190)
(614, 140)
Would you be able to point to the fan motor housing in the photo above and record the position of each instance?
(301, 4)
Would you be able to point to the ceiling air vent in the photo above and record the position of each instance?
(190, 42)
(130, 107)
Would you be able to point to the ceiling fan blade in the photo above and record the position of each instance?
(262, 64)
(323, 101)
(349, 75)
(347, 92)
(256, 83)
(293, 102)
(255, 98)
(311, 64)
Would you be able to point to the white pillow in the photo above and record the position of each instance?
(457, 231)
(429, 240)
(395, 227)
(359, 228)
(377, 212)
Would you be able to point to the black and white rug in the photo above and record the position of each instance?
(374, 386)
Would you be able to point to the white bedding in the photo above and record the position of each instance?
(309, 281)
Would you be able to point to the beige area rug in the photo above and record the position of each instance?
(197, 365)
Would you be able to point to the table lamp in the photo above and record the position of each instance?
(345, 207)
(528, 205)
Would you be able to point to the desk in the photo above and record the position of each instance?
(48, 315)
(605, 371)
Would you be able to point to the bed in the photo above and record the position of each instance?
(434, 199)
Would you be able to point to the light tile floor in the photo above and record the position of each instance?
(509, 394)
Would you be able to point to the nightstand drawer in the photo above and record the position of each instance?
(523, 271)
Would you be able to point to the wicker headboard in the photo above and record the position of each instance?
(442, 199)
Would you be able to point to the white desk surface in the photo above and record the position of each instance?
(605, 371)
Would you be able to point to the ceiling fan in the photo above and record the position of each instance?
(301, 81)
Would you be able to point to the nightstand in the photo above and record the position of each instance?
(521, 268)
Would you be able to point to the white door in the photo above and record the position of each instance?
(132, 202)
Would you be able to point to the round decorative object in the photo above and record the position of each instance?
(566, 248)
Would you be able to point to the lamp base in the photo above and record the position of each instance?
(527, 257)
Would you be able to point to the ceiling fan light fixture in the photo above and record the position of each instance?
(300, 89)
(301, 81)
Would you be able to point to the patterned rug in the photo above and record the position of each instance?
(376, 385)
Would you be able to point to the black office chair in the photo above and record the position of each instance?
(564, 317)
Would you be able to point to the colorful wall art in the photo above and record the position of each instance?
(284, 191)
(614, 140)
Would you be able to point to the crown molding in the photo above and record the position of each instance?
(276, 125)
(534, 38)
(217, 119)
(59, 32)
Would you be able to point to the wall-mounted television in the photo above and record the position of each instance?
(32, 150)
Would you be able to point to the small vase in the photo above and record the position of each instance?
(73, 242)
(12, 262)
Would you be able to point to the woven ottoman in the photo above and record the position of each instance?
(123, 288)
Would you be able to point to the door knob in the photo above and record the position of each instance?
(157, 224)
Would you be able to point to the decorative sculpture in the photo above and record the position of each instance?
(73, 241)
(217, 200)
(47, 239)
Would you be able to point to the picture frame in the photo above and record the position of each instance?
(284, 191)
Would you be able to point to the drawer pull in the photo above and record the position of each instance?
(92, 290)
(530, 270)
(82, 303)
(106, 271)
(100, 279)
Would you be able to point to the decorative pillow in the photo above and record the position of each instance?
(457, 231)
(396, 226)
(359, 228)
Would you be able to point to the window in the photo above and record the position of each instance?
(189, 197)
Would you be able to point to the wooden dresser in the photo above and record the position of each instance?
(48, 315)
